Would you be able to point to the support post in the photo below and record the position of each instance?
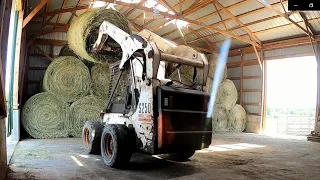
(241, 79)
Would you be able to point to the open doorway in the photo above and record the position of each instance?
(291, 95)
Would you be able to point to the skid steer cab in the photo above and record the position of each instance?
(147, 112)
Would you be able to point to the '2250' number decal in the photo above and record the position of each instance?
(145, 108)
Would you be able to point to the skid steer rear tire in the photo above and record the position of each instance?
(116, 146)
(91, 136)
(181, 156)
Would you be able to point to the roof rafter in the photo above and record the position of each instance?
(239, 16)
(64, 3)
(238, 21)
(34, 12)
(286, 17)
(190, 21)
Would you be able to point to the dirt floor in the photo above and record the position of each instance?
(237, 156)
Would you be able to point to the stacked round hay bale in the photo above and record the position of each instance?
(68, 78)
(45, 116)
(86, 108)
(237, 119)
(84, 29)
(228, 116)
(212, 61)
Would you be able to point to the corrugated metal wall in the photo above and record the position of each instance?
(38, 63)
(251, 81)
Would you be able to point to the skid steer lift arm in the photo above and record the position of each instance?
(129, 43)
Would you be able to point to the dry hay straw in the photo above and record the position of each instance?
(186, 72)
(227, 95)
(237, 119)
(212, 61)
(100, 75)
(87, 25)
(45, 116)
(219, 120)
(68, 78)
(86, 108)
(163, 44)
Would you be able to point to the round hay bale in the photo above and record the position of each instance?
(45, 116)
(227, 95)
(66, 51)
(85, 28)
(212, 61)
(219, 120)
(237, 119)
(163, 44)
(86, 108)
(68, 78)
(100, 76)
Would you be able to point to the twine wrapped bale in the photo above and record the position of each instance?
(85, 28)
(45, 116)
(86, 108)
(227, 95)
(100, 75)
(67, 77)
(219, 120)
(163, 44)
(237, 119)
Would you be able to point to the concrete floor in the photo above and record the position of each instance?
(238, 156)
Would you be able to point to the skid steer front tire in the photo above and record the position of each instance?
(116, 147)
(91, 136)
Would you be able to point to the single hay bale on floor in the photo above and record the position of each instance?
(237, 119)
(163, 44)
(100, 75)
(219, 120)
(86, 108)
(67, 77)
(84, 30)
(227, 95)
(45, 116)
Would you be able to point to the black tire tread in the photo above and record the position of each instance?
(122, 155)
(94, 143)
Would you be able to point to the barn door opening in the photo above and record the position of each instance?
(291, 95)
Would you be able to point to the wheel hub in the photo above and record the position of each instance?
(108, 145)
(86, 137)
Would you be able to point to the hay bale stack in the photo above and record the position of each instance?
(68, 78)
(163, 44)
(45, 116)
(237, 119)
(86, 27)
(100, 76)
(219, 120)
(86, 108)
(227, 95)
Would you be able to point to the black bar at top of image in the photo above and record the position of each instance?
(304, 5)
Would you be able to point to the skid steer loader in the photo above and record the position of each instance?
(158, 115)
